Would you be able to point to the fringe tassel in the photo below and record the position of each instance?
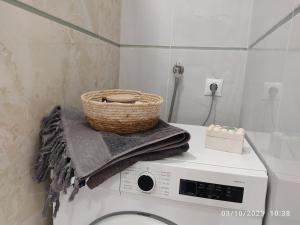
(75, 191)
(53, 156)
(67, 182)
(52, 197)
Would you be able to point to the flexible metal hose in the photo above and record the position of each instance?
(178, 71)
(177, 79)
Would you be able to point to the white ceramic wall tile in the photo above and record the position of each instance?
(290, 108)
(294, 43)
(267, 13)
(278, 40)
(146, 22)
(275, 123)
(266, 63)
(222, 23)
(145, 69)
(259, 114)
(289, 115)
(192, 106)
(274, 59)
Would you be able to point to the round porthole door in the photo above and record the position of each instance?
(132, 218)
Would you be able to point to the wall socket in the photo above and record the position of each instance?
(209, 81)
(272, 90)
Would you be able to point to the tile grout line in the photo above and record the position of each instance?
(59, 21)
(183, 47)
(283, 21)
(209, 48)
(167, 108)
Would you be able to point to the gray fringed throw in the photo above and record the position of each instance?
(70, 148)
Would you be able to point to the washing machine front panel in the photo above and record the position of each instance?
(217, 187)
(90, 205)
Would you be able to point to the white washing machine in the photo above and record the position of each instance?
(200, 187)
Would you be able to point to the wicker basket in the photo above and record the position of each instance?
(103, 112)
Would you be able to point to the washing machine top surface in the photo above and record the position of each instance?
(200, 155)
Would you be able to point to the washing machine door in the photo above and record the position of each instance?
(132, 218)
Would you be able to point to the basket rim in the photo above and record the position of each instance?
(158, 102)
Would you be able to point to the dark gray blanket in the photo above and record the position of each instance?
(70, 148)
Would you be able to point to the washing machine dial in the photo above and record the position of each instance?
(146, 182)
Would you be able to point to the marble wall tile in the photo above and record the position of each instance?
(99, 16)
(42, 64)
(88, 66)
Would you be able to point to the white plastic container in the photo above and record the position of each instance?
(228, 139)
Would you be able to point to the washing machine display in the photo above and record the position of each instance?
(211, 191)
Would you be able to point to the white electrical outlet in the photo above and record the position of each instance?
(272, 90)
(209, 81)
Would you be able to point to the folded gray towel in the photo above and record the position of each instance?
(70, 148)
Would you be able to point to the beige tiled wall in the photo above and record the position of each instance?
(42, 64)
(98, 16)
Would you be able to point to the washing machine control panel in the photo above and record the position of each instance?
(198, 184)
(211, 191)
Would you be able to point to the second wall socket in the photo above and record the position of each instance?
(272, 91)
(210, 81)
